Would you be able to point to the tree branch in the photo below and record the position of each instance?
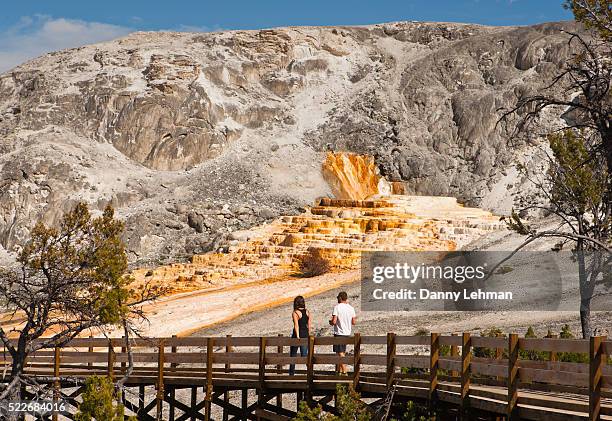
(545, 234)
(128, 348)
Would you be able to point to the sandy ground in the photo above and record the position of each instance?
(277, 320)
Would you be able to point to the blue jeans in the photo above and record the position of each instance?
(293, 351)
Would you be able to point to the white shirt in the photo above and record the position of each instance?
(344, 313)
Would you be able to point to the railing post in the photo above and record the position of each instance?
(499, 352)
(279, 350)
(262, 373)
(228, 349)
(56, 382)
(123, 351)
(597, 362)
(110, 363)
(553, 354)
(141, 398)
(390, 359)
(434, 356)
(279, 370)
(466, 368)
(310, 369)
(245, 405)
(262, 362)
(159, 398)
(210, 343)
(454, 352)
(123, 368)
(194, 401)
(357, 361)
(173, 350)
(513, 378)
(90, 349)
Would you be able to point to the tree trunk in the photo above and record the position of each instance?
(606, 139)
(585, 320)
(14, 395)
(585, 292)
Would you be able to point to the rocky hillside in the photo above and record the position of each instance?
(194, 136)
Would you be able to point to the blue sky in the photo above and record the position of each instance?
(29, 28)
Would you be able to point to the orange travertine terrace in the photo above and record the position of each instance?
(341, 228)
(352, 176)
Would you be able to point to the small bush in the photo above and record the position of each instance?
(306, 413)
(566, 332)
(99, 402)
(415, 412)
(443, 351)
(349, 406)
(413, 370)
(313, 263)
(530, 333)
(530, 354)
(570, 357)
(421, 331)
(484, 352)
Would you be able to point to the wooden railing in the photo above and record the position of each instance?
(431, 368)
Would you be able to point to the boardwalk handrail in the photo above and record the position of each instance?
(441, 364)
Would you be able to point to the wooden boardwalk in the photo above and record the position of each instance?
(247, 378)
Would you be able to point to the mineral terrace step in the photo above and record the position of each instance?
(341, 230)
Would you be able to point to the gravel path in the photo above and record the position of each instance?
(277, 320)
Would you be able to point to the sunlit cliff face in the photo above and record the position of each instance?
(353, 176)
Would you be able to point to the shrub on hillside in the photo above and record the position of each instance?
(313, 263)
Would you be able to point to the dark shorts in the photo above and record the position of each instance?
(342, 347)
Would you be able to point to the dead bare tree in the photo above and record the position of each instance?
(67, 281)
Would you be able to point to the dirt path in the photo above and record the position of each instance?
(187, 313)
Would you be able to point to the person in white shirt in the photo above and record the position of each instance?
(343, 319)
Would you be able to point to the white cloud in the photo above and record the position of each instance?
(33, 36)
